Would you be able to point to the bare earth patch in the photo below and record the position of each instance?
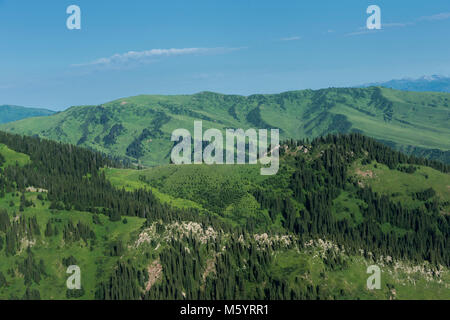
(364, 174)
(210, 268)
(154, 273)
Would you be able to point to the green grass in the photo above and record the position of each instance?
(201, 184)
(387, 227)
(12, 157)
(401, 185)
(347, 207)
(219, 190)
(129, 179)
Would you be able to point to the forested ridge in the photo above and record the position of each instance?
(194, 253)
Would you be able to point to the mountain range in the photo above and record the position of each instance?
(10, 113)
(139, 128)
(434, 83)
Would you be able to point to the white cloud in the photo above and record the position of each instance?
(361, 30)
(396, 25)
(364, 30)
(439, 16)
(140, 57)
(291, 38)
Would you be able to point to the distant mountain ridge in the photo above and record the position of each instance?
(10, 113)
(434, 83)
(139, 128)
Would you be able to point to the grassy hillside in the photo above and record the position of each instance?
(199, 184)
(139, 128)
(14, 113)
(12, 157)
(404, 186)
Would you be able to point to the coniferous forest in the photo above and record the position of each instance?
(308, 232)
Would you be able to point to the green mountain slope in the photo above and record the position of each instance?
(13, 113)
(139, 128)
(224, 232)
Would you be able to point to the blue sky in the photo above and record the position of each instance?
(133, 47)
